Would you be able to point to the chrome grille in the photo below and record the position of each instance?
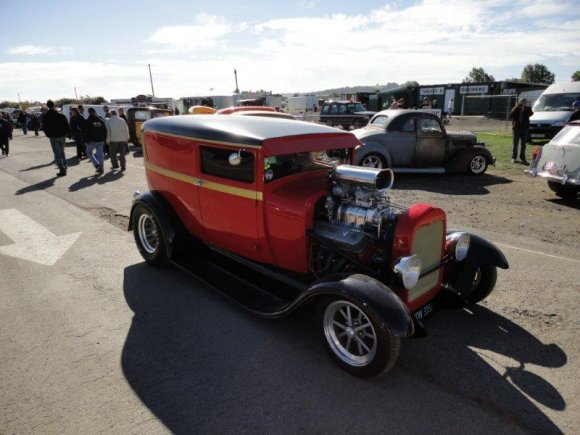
(427, 244)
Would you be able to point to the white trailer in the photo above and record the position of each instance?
(302, 104)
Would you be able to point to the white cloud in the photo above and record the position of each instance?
(31, 50)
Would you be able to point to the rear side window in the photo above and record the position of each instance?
(215, 161)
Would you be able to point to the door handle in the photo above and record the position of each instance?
(198, 182)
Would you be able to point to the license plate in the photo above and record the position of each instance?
(537, 135)
(423, 312)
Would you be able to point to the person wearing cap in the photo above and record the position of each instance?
(117, 137)
(520, 117)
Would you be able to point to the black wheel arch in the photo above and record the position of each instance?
(169, 222)
(380, 302)
(460, 162)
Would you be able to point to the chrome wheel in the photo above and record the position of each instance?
(372, 161)
(478, 165)
(349, 333)
(148, 233)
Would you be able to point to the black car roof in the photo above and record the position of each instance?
(249, 130)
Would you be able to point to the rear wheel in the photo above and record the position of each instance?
(564, 191)
(477, 165)
(149, 236)
(373, 160)
(354, 340)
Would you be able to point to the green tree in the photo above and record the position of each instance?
(537, 73)
(477, 75)
(576, 76)
(411, 83)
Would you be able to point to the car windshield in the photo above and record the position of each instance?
(555, 102)
(569, 135)
(276, 167)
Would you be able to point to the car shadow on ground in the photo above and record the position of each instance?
(572, 203)
(449, 184)
(202, 364)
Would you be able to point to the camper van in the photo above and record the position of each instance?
(553, 110)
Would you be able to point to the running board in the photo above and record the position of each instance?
(261, 294)
(419, 170)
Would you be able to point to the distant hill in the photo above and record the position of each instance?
(350, 90)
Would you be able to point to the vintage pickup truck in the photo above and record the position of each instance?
(271, 213)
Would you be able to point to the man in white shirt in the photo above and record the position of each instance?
(117, 137)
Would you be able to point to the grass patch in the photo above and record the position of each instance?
(500, 146)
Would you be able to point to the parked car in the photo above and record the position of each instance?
(136, 116)
(273, 214)
(416, 141)
(232, 109)
(345, 114)
(558, 162)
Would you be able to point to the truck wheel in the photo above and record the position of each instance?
(373, 160)
(563, 191)
(477, 165)
(354, 340)
(484, 279)
(149, 236)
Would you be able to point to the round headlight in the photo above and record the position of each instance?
(409, 269)
(458, 245)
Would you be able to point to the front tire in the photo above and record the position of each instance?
(477, 165)
(373, 160)
(484, 279)
(354, 340)
(149, 236)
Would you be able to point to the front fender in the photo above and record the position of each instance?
(170, 224)
(372, 147)
(460, 162)
(482, 251)
(380, 302)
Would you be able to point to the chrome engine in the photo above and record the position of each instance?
(356, 213)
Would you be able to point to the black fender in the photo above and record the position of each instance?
(170, 223)
(373, 147)
(460, 162)
(481, 251)
(379, 301)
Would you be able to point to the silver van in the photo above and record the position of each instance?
(553, 110)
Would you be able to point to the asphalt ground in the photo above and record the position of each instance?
(100, 342)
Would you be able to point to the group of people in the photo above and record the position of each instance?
(91, 135)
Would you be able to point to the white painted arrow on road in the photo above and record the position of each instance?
(32, 241)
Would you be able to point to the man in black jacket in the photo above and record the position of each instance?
(95, 136)
(520, 117)
(56, 127)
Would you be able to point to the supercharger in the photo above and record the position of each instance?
(356, 213)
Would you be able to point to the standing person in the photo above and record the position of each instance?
(5, 133)
(426, 104)
(81, 110)
(520, 117)
(77, 127)
(450, 107)
(394, 103)
(124, 118)
(95, 136)
(34, 123)
(56, 128)
(434, 104)
(23, 122)
(117, 137)
(107, 116)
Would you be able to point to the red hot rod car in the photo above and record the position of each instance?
(271, 213)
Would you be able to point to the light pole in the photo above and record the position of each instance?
(151, 79)
(237, 91)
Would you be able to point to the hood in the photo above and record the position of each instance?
(461, 135)
(550, 117)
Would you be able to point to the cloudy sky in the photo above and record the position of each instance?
(51, 47)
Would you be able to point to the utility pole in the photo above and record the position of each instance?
(76, 96)
(151, 79)
(237, 91)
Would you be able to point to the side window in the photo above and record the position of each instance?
(325, 110)
(215, 161)
(342, 109)
(333, 109)
(410, 125)
(142, 115)
(429, 125)
(379, 120)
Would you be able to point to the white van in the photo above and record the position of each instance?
(552, 110)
